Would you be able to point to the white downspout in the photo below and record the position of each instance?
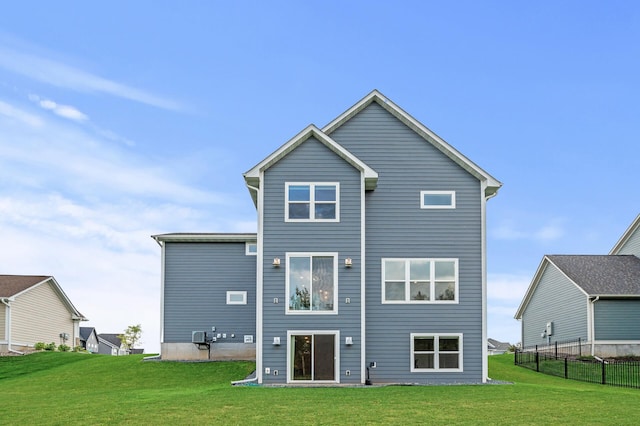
(7, 302)
(592, 331)
(259, 277)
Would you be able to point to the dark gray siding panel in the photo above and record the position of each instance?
(397, 227)
(311, 162)
(558, 300)
(617, 319)
(197, 278)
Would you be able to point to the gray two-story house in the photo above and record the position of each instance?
(368, 264)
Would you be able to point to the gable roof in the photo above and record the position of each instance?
(635, 226)
(110, 339)
(594, 275)
(492, 184)
(602, 275)
(495, 344)
(86, 332)
(12, 286)
(252, 176)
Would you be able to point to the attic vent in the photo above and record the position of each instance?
(199, 337)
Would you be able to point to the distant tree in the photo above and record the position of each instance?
(131, 336)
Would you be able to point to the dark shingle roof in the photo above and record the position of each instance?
(10, 285)
(602, 274)
(85, 332)
(111, 338)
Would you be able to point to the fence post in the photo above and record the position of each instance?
(537, 362)
(556, 349)
(604, 373)
(566, 370)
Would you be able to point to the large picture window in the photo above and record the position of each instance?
(436, 352)
(420, 280)
(312, 282)
(317, 202)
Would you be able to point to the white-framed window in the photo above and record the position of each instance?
(437, 199)
(313, 356)
(312, 283)
(312, 202)
(251, 249)
(236, 297)
(436, 352)
(419, 280)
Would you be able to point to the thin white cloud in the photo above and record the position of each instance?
(12, 112)
(58, 74)
(509, 231)
(65, 111)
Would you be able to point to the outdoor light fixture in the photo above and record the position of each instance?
(348, 340)
(348, 263)
(276, 341)
(276, 262)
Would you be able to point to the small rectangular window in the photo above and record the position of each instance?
(251, 249)
(437, 199)
(312, 202)
(236, 297)
(436, 352)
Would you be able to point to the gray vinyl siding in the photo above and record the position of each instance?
(197, 278)
(396, 227)
(311, 162)
(558, 300)
(3, 326)
(617, 319)
(632, 245)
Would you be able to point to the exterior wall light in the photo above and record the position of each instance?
(348, 263)
(276, 341)
(276, 262)
(348, 340)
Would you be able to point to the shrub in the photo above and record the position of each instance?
(50, 347)
(78, 349)
(40, 346)
(64, 348)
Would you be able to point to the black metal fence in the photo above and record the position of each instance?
(571, 360)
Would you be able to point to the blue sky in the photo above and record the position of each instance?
(128, 119)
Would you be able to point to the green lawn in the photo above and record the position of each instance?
(70, 388)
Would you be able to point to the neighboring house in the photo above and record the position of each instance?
(494, 347)
(89, 339)
(369, 261)
(110, 344)
(34, 308)
(595, 298)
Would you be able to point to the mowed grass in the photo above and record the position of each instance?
(70, 388)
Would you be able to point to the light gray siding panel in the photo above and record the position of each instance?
(617, 319)
(197, 278)
(558, 300)
(311, 162)
(632, 245)
(397, 227)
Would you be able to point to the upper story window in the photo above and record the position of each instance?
(437, 199)
(419, 280)
(312, 202)
(312, 281)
